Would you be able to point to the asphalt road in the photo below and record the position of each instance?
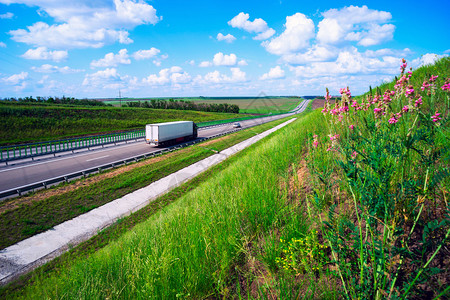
(29, 172)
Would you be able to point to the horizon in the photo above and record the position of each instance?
(155, 49)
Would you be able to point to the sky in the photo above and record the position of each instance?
(174, 48)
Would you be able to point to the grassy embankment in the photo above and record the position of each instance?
(257, 105)
(367, 219)
(37, 122)
(20, 221)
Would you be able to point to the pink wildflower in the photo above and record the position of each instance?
(324, 110)
(354, 154)
(393, 120)
(405, 108)
(435, 118)
(377, 110)
(409, 91)
(433, 78)
(351, 127)
(418, 102)
(446, 87)
(425, 86)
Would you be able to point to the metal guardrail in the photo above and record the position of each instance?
(10, 153)
(67, 177)
(15, 152)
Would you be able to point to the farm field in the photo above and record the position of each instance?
(346, 202)
(35, 123)
(247, 105)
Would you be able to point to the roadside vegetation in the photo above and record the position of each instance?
(246, 105)
(185, 105)
(35, 122)
(26, 216)
(350, 201)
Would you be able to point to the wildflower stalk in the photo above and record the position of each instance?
(426, 265)
(360, 236)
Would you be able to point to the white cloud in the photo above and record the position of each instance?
(174, 75)
(43, 54)
(218, 78)
(16, 78)
(112, 60)
(205, 64)
(224, 60)
(7, 15)
(350, 61)
(2, 45)
(109, 79)
(256, 26)
(227, 38)
(146, 54)
(353, 23)
(426, 59)
(242, 62)
(85, 23)
(298, 31)
(18, 81)
(274, 73)
(313, 54)
(47, 68)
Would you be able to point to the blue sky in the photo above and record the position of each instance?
(94, 48)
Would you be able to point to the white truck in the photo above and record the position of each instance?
(170, 132)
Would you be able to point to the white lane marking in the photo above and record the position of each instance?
(97, 158)
(69, 157)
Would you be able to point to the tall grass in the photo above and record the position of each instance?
(383, 173)
(194, 246)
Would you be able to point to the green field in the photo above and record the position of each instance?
(36, 122)
(351, 203)
(257, 105)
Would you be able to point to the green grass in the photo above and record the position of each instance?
(34, 123)
(197, 246)
(257, 105)
(28, 220)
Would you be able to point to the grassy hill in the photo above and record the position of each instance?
(348, 203)
(36, 122)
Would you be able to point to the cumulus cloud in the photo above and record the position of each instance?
(43, 53)
(112, 60)
(216, 77)
(350, 61)
(109, 79)
(227, 38)
(85, 23)
(296, 36)
(360, 24)
(2, 45)
(18, 81)
(146, 54)
(258, 26)
(174, 75)
(313, 54)
(426, 59)
(47, 68)
(205, 64)
(7, 15)
(221, 59)
(274, 73)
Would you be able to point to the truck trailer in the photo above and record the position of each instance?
(170, 132)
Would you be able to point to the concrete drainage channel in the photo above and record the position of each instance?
(28, 254)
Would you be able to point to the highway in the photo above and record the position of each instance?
(29, 172)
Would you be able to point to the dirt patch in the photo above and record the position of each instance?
(319, 103)
(26, 200)
(215, 141)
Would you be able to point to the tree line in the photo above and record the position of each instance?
(57, 100)
(186, 105)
